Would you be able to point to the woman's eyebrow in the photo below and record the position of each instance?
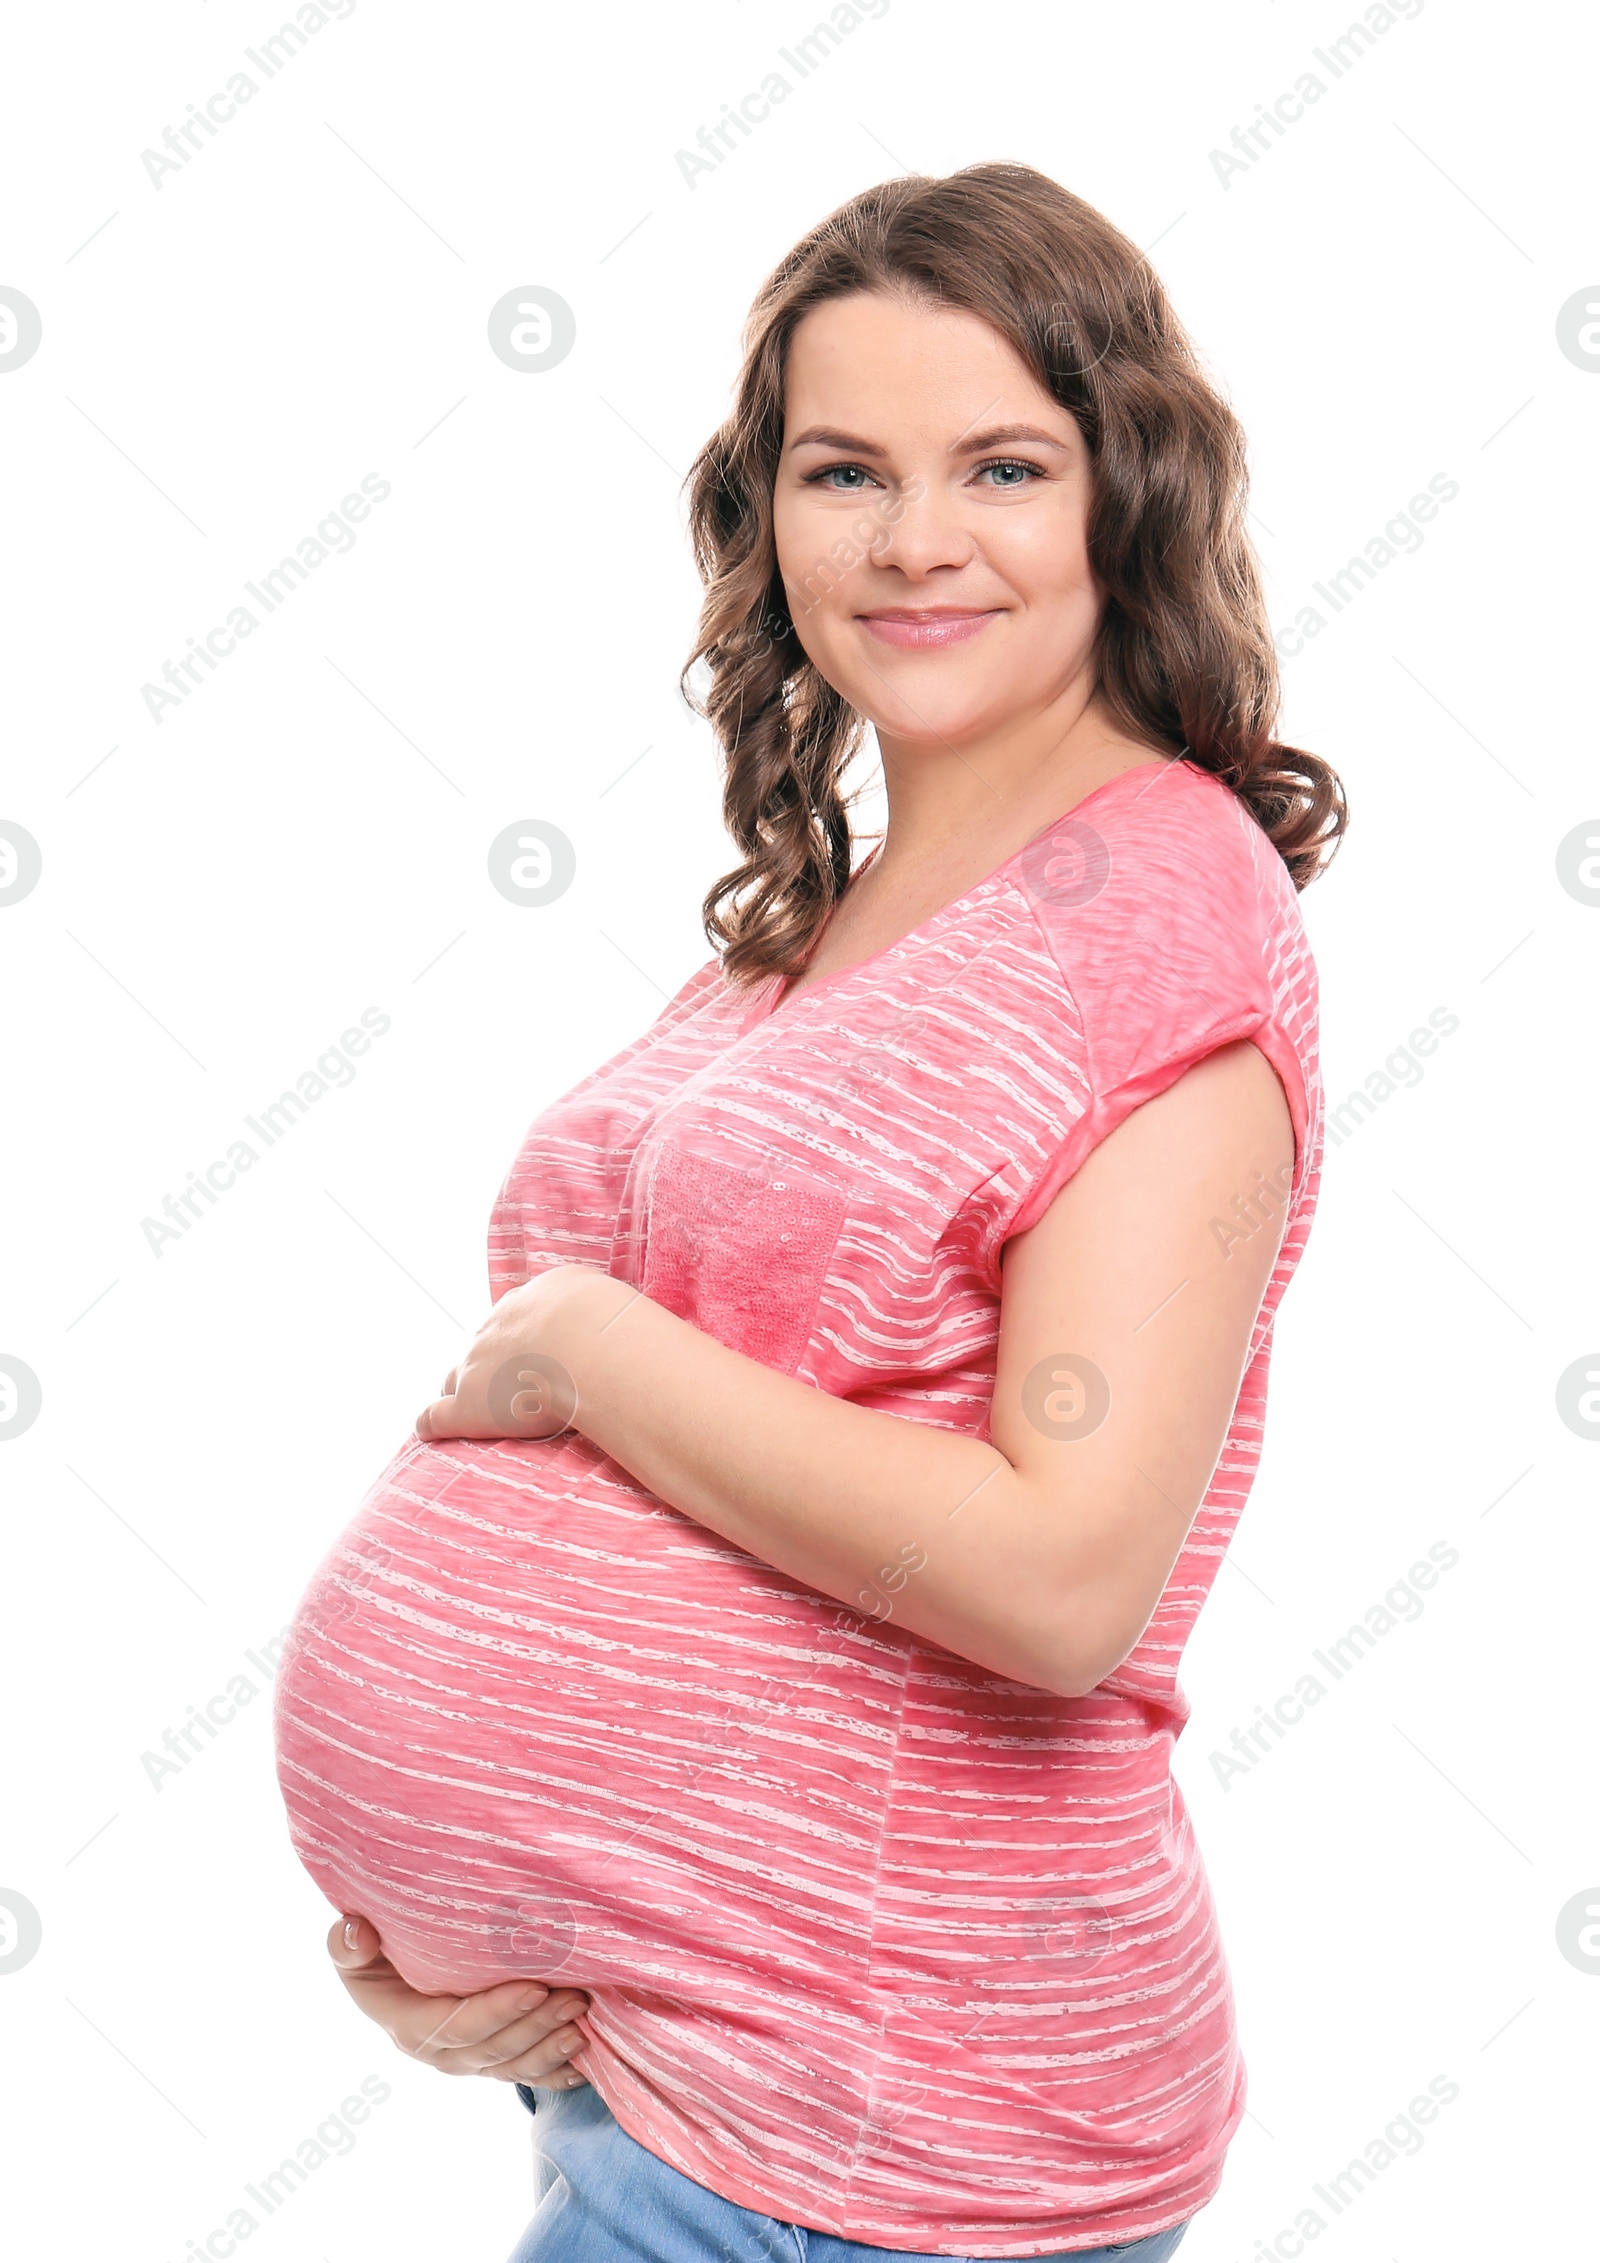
(825, 436)
(997, 434)
(970, 444)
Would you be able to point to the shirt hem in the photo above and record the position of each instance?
(735, 2185)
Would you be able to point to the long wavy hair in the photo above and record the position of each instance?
(1185, 659)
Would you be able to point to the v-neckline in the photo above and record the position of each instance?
(770, 994)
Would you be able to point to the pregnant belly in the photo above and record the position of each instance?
(531, 1721)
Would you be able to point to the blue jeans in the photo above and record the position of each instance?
(604, 2199)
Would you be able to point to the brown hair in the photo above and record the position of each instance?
(1185, 657)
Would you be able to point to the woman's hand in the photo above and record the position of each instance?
(513, 1382)
(520, 2031)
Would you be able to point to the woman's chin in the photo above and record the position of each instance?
(933, 715)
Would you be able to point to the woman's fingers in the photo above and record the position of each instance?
(542, 2069)
(369, 1977)
(530, 2047)
(354, 1941)
(547, 2064)
(445, 1418)
(519, 2030)
(454, 1417)
(494, 2011)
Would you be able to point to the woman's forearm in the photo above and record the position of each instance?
(936, 1532)
(1042, 1554)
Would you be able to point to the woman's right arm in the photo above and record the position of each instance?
(520, 2031)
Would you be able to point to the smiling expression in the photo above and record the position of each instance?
(931, 519)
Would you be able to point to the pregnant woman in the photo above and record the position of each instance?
(768, 1642)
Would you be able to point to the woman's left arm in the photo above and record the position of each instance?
(1126, 1319)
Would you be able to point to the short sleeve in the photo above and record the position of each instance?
(1171, 918)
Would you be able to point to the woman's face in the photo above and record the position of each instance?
(930, 511)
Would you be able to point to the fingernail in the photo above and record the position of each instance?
(531, 1998)
(350, 1925)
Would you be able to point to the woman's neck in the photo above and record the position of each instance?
(954, 816)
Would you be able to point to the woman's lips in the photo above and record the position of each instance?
(926, 629)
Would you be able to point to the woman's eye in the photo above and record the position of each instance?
(1010, 473)
(849, 476)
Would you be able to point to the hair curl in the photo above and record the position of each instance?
(1185, 658)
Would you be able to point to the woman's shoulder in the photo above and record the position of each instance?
(1153, 860)
(1168, 911)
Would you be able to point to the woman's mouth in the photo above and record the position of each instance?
(926, 628)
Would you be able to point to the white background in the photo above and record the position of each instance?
(223, 357)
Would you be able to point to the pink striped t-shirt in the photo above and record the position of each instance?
(878, 1941)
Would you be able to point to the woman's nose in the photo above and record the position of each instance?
(928, 530)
